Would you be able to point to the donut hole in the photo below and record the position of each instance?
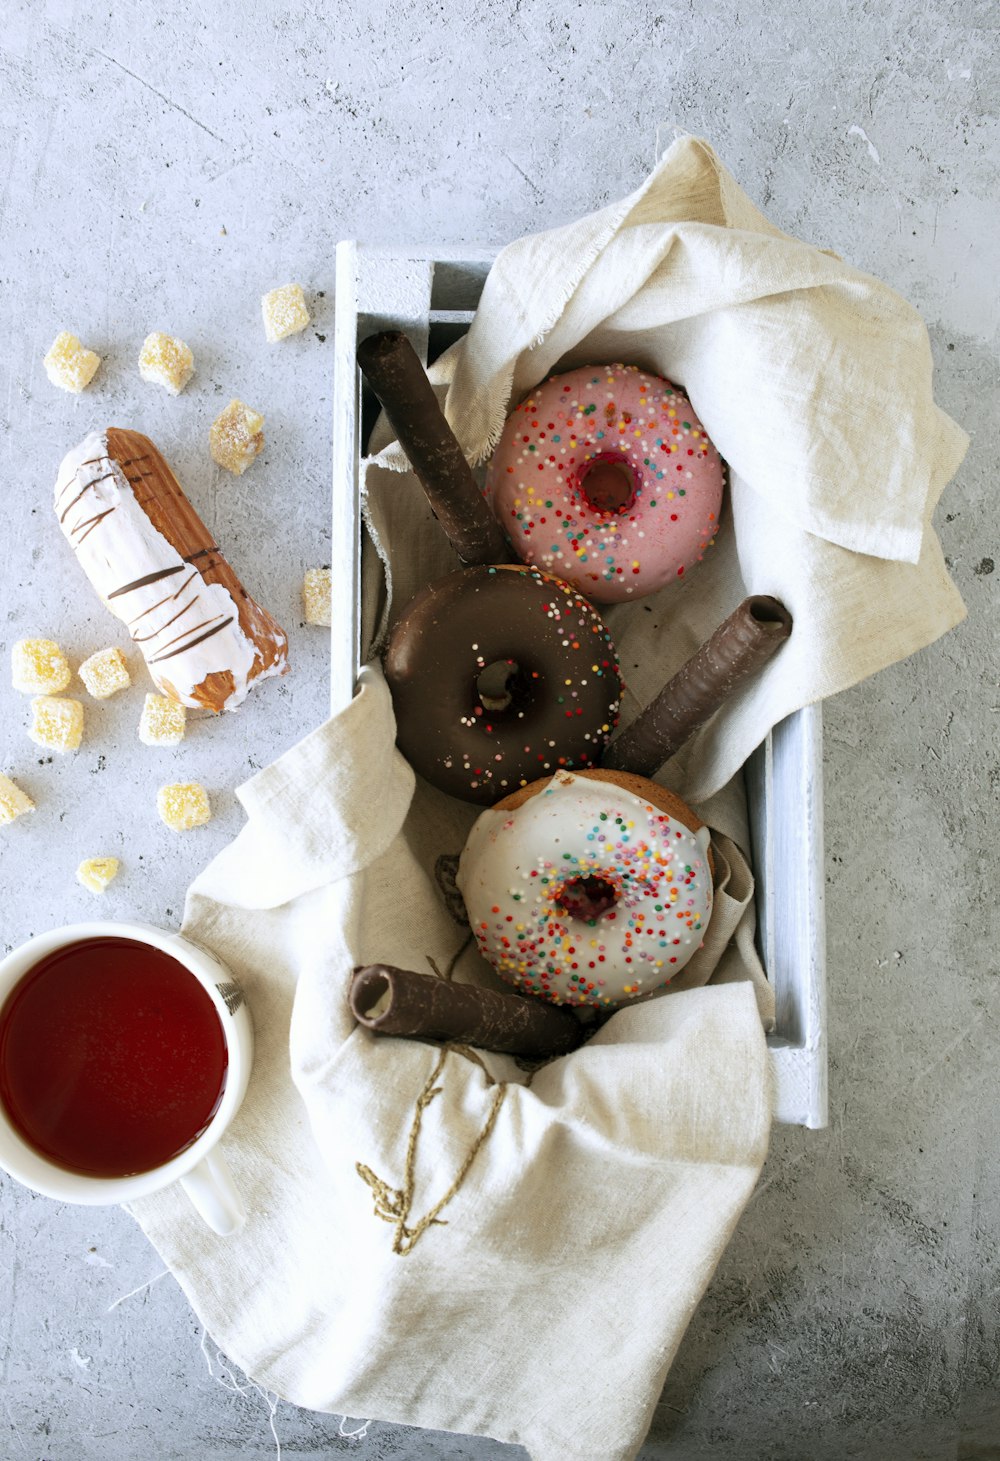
(586, 898)
(608, 484)
(501, 685)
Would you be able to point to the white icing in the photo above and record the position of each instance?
(516, 866)
(186, 628)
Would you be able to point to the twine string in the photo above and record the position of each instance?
(394, 1205)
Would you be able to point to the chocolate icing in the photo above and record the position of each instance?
(391, 1001)
(564, 685)
(127, 588)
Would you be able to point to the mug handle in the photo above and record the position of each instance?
(212, 1190)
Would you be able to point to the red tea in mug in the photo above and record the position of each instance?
(112, 1057)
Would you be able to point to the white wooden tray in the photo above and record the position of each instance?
(432, 296)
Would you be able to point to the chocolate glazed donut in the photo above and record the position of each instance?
(500, 675)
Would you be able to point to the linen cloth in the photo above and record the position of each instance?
(580, 1208)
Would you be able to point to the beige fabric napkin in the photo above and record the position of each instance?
(580, 1212)
(546, 1303)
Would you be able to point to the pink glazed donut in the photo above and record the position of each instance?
(606, 478)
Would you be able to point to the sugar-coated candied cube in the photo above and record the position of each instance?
(56, 724)
(13, 801)
(236, 437)
(39, 667)
(285, 311)
(183, 805)
(96, 873)
(164, 361)
(70, 365)
(316, 595)
(105, 672)
(162, 721)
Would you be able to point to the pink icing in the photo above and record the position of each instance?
(606, 478)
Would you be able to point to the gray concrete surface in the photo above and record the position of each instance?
(164, 164)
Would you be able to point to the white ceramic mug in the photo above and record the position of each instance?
(200, 1168)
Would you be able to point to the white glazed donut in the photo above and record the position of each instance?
(581, 891)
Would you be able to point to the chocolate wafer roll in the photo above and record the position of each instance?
(393, 370)
(740, 646)
(391, 1001)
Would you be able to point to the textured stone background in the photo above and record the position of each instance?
(163, 165)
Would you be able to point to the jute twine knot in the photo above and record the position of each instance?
(394, 1205)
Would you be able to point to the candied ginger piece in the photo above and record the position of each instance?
(55, 723)
(69, 364)
(164, 361)
(162, 721)
(236, 437)
(39, 667)
(285, 312)
(13, 801)
(183, 805)
(316, 595)
(97, 872)
(105, 672)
